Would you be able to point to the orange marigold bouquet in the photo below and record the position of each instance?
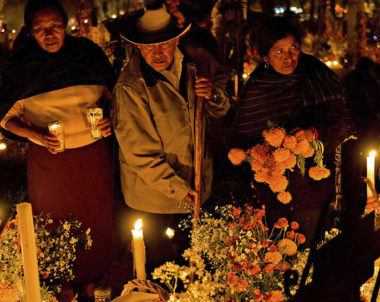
(235, 257)
(279, 153)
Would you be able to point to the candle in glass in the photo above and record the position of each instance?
(29, 252)
(370, 172)
(138, 249)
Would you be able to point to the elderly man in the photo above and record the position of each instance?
(153, 117)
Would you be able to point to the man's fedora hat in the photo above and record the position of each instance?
(155, 26)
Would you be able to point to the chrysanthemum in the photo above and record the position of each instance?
(302, 146)
(273, 257)
(308, 153)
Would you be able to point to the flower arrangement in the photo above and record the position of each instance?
(235, 257)
(56, 252)
(281, 152)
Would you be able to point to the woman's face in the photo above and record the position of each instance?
(284, 54)
(48, 29)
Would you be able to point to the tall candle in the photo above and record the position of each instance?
(370, 172)
(138, 249)
(29, 252)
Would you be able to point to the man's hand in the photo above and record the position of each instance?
(204, 87)
(372, 205)
(190, 196)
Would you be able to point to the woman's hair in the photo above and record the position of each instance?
(35, 6)
(273, 29)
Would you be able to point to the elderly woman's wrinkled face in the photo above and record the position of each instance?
(284, 54)
(159, 56)
(48, 28)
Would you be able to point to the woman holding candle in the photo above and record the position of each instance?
(292, 89)
(56, 77)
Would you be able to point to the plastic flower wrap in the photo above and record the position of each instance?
(235, 257)
(279, 154)
(56, 242)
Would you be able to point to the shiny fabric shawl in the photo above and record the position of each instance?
(32, 71)
(311, 96)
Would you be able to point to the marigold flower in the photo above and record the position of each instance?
(265, 243)
(287, 247)
(308, 153)
(256, 166)
(273, 257)
(257, 295)
(290, 142)
(241, 285)
(258, 214)
(261, 176)
(289, 163)
(290, 234)
(294, 225)
(318, 173)
(302, 146)
(300, 238)
(275, 296)
(231, 224)
(300, 134)
(241, 219)
(254, 270)
(232, 278)
(269, 268)
(281, 223)
(309, 134)
(274, 136)
(284, 197)
(272, 248)
(236, 212)
(231, 240)
(281, 154)
(278, 183)
(237, 156)
(285, 266)
(260, 153)
(237, 267)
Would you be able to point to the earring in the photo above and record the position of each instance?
(266, 64)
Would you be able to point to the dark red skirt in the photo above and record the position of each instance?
(78, 182)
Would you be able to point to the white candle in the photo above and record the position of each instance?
(370, 172)
(29, 252)
(138, 249)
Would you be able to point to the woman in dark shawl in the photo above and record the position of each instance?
(292, 89)
(56, 77)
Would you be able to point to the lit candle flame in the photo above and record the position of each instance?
(3, 146)
(170, 233)
(138, 224)
(372, 153)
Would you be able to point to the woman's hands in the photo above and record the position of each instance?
(372, 205)
(50, 141)
(105, 126)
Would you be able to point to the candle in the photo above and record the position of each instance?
(236, 85)
(29, 252)
(138, 249)
(170, 233)
(370, 172)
